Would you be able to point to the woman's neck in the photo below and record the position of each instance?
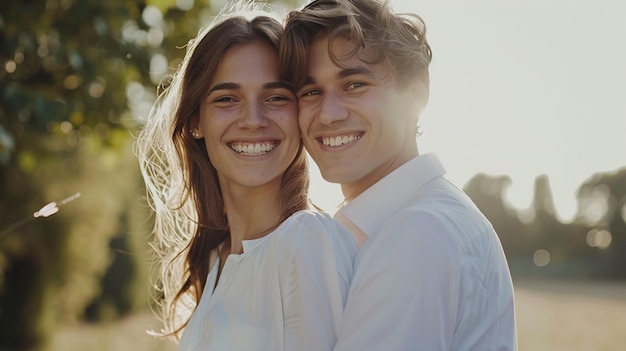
(251, 215)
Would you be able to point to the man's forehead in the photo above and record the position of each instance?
(341, 46)
(348, 58)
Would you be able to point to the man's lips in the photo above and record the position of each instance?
(339, 140)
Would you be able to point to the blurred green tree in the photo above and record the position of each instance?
(591, 246)
(75, 78)
(565, 242)
(488, 192)
(64, 128)
(602, 208)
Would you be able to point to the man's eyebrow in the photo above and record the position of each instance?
(276, 85)
(309, 80)
(225, 86)
(347, 72)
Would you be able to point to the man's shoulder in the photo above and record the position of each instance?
(440, 209)
(442, 200)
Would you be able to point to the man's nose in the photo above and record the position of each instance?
(332, 109)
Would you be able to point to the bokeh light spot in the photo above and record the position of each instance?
(10, 66)
(596, 205)
(66, 127)
(155, 37)
(152, 16)
(158, 68)
(72, 82)
(96, 88)
(43, 50)
(18, 56)
(134, 91)
(129, 30)
(184, 5)
(541, 258)
(599, 238)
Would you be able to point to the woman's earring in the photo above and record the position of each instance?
(194, 133)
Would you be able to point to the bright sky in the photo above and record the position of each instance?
(522, 88)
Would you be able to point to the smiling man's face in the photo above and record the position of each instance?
(356, 122)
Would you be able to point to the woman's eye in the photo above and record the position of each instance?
(225, 99)
(277, 98)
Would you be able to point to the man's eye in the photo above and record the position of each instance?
(354, 85)
(311, 92)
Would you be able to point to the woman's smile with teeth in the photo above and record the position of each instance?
(253, 149)
(339, 140)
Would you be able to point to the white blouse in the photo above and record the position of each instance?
(286, 291)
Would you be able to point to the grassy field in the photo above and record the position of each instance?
(554, 316)
(559, 316)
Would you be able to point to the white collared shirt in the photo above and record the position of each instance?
(431, 275)
(286, 291)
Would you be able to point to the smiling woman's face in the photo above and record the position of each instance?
(249, 118)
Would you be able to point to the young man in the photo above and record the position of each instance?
(431, 273)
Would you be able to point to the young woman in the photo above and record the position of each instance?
(244, 263)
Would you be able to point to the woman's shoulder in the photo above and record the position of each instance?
(315, 233)
(312, 216)
(315, 221)
(313, 225)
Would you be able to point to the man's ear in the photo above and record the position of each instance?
(421, 91)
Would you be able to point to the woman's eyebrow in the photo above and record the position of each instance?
(225, 86)
(237, 86)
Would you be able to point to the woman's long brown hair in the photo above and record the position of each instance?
(183, 187)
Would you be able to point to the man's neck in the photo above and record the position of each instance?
(354, 189)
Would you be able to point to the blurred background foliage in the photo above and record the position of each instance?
(76, 79)
(537, 244)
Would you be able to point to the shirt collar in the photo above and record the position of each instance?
(375, 204)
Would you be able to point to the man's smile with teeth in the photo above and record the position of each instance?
(339, 140)
(253, 149)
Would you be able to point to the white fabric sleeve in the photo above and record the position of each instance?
(317, 278)
(405, 290)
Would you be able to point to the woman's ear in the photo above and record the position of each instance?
(196, 133)
(195, 130)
